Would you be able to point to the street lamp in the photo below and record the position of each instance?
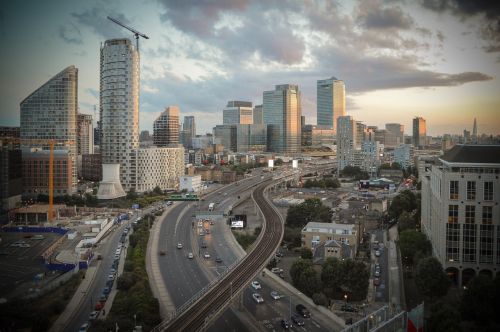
(345, 298)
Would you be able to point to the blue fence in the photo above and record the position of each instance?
(64, 267)
(34, 229)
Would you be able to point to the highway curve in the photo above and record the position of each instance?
(214, 301)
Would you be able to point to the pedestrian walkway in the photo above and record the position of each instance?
(395, 273)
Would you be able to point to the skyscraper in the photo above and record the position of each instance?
(50, 112)
(85, 134)
(188, 131)
(119, 107)
(166, 127)
(330, 102)
(474, 132)
(419, 132)
(282, 112)
(394, 134)
(237, 112)
(258, 117)
(347, 137)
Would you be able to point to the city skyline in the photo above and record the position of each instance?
(440, 63)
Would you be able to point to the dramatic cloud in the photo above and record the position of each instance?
(96, 19)
(70, 34)
(374, 16)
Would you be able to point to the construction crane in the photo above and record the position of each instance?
(136, 33)
(51, 143)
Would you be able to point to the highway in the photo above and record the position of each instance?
(217, 298)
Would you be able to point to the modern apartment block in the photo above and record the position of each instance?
(461, 211)
(330, 102)
(346, 141)
(85, 134)
(50, 113)
(188, 131)
(119, 107)
(237, 112)
(166, 127)
(282, 112)
(419, 132)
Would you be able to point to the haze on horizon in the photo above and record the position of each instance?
(398, 59)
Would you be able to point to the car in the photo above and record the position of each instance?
(275, 295)
(279, 254)
(111, 277)
(218, 260)
(24, 245)
(190, 255)
(117, 257)
(377, 273)
(377, 253)
(206, 255)
(256, 284)
(106, 290)
(302, 310)
(179, 245)
(257, 298)
(376, 282)
(103, 298)
(99, 306)
(109, 283)
(93, 315)
(112, 271)
(203, 245)
(211, 222)
(84, 327)
(281, 275)
(162, 252)
(285, 324)
(297, 320)
(348, 308)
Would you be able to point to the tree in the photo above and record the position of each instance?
(406, 221)
(479, 301)
(293, 236)
(310, 210)
(304, 277)
(306, 253)
(332, 276)
(444, 318)
(430, 279)
(410, 242)
(157, 190)
(405, 201)
(131, 194)
(349, 276)
(278, 162)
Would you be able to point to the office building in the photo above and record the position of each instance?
(251, 137)
(50, 113)
(317, 136)
(282, 112)
(11, 178)
(419, 132)
(10, 132)
(403, 155)
(166, 127)
(460, 211)
(225, 135)
(474, 132)
(237, 112)
(85, 134)
(188, 131)
(258, 115)
(394, 135)
(119, 110)
(330, 102)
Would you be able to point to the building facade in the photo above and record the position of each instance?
(166, 127)
(404, 155)
(330, 102)
(258, 115)
(119, 107)
(160, 167)
(419, 132)
(251, 137)
(316, 233)
(461, 212)
(91, 167)
(188, 131)
(237, 112)
(85, 134)
(50, 113)
(226, 135)
(394, 134)
(190, 183)
(346, 141)
(282, 112)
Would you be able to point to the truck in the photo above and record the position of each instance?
(211, 206)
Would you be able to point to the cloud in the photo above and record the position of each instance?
(372, 15)
(96, 19)
(70, 34)
(92, 92)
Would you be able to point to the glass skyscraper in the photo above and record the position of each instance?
(330, 102)
(166, 127)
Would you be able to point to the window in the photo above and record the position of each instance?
(453, 214)
(488, 191)
(471, 190)
(452, 242)
(470, 212)
(453, 189)
(486, 244)
(469, 243)
(487, 215)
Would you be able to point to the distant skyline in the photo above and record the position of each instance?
(399, 59)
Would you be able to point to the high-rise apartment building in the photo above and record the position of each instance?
(119, 107)
(50, 113)
(346, 141)
(85, 134)
(460, 210)
(188, 131)
(237, 112)
(419, 132)
(166, 127)
(258, 115)
(394, 134)
(330, 102)
(282, 112)
(474, 132)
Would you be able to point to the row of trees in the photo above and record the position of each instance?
(336, 279)
(324, 183)
(354, 172)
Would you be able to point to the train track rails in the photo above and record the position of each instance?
(197, 316)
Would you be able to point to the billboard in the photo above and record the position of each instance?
(237, 224)
(270, 163)
(295, 163)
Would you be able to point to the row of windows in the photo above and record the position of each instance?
(471, 190)
(470, 214)
(469, 247)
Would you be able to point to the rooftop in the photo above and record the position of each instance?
(482, 154)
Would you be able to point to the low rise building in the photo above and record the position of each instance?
(316, 233)
(190, 183)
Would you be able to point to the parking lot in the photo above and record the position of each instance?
(20, 259)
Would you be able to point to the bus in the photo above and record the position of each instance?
(211, 206)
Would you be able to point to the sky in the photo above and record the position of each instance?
(439, 59)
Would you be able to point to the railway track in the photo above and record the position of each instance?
(197, 316)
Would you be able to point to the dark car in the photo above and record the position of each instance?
(203, 245)
(348, 308)
(218, 260)
(297, 320)
(302, 310)
(285, 324)
(106, 290)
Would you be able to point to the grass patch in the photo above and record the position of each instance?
(246, 240)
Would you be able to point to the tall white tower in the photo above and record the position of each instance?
(119, 112)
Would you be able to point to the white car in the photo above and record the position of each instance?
(179, 245)
(257, 297)
(190, 255)
(206, 255)
(377, 253)
(84, 328)
(111, 277)
(275, 295)
(93, 315)
(256, 284)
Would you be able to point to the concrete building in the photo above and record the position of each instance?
(188, 131)
(119, 108)
(237, 112)
(258, 115)
(85, 134)
(11, 178)
(404, 155)
(346, 141)
(50, 113)
(330, 102)
(419, 132)
(316, 233)
(10, 132)
(282, 112)
(394, 135)
(160, 167)
(166, 127)
(190, 183)
(145, 136)
(460, 211)
(91, 167)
